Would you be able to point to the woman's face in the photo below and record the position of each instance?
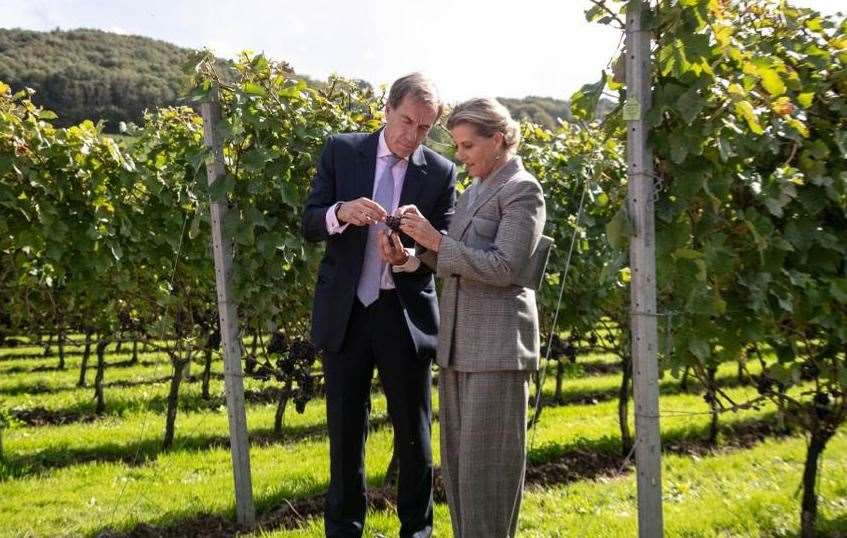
(478, 153)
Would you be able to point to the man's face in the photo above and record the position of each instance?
(407, 125)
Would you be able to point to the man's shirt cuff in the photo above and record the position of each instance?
(332, 225)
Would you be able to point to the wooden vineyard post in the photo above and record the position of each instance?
(642, 252)
(233, 376)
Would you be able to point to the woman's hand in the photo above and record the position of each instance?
(416, 226)
(391, 249)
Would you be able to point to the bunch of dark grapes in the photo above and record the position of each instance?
(305, 392)
(214, 341)
(303, 352)
(556, 349)
(294, 362)
(304, 355)
(250, 364)
(570, 347)
(821, 403)
(764, 385)
(278, 344)
(560, 348)
(570, 352)
(809, 371)
(393, 223)
(265, 371)
(124, 318)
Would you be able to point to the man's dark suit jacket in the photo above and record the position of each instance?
(346, 172)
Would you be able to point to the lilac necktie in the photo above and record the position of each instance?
(373, 267)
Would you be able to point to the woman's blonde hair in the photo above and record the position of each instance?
(488, 116)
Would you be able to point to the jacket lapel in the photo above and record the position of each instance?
(415, 176)
(366, 167)
(509, 170)
(365, 171)
(460, 218)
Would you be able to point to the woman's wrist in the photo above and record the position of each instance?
(437, 243)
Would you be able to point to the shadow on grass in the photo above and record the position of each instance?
(128, 363)
(832, 528)
(599, 367)
(70, 351)
(39, 354)
(83, 411)
(667, 387)
(37, 369)
(40, 387)
(143, 451)
(118, 406)
(552, 465)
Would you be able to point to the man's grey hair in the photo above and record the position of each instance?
(417, 86)
(488, 116)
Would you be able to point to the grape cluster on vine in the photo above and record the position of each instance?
(291, 363)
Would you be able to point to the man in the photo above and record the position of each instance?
(365, 314)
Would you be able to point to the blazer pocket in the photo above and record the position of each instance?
(482, 232)
(485, 227)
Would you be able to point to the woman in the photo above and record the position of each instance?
(488, 339)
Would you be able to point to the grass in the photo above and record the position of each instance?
(740, 494)
(81, 478)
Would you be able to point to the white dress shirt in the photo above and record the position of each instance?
(399, 173)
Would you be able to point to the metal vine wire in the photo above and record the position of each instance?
(543, 372)
(158, 368)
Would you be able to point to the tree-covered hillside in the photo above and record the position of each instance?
(91, 74)
(97, 75)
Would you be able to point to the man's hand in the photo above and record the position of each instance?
(416, 226)
(391, 249)
(361, 212)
